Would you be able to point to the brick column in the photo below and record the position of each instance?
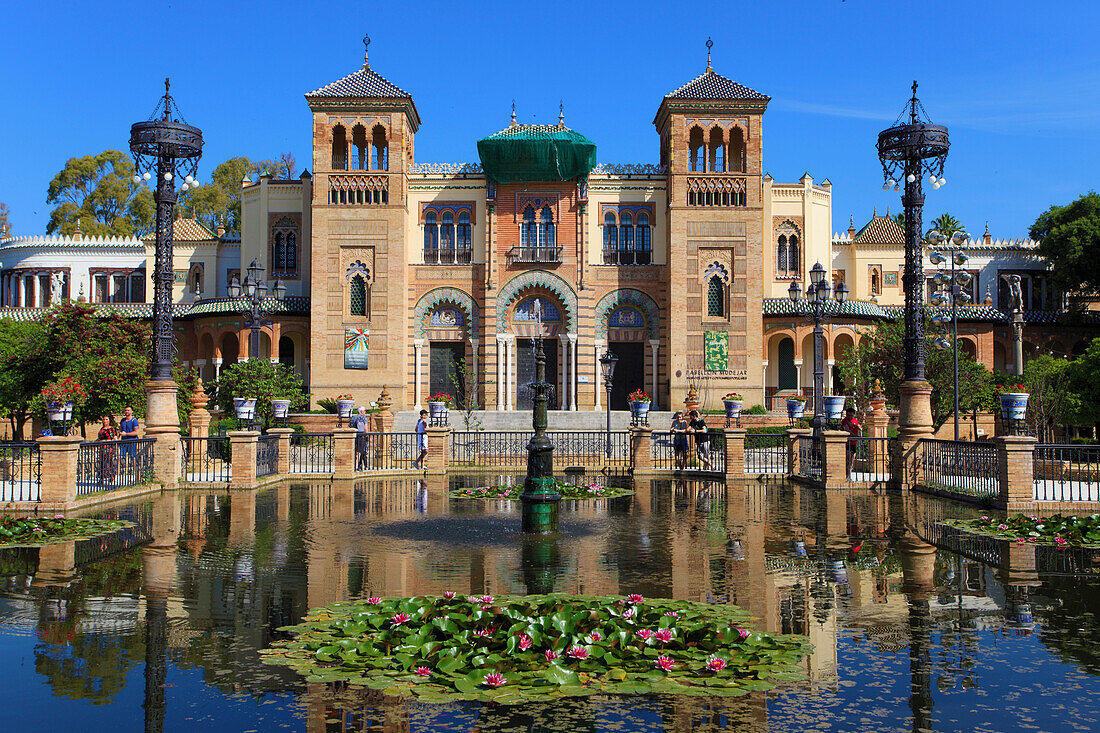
(735, 452)
(641, 452)
(57, 485)
(878, 424)
(914, 424)
(439, 450)
(835, 459)
(343, 440)
(284, 448)
(792, 448)
(1015, 469)
(163, 423)
(243, 445)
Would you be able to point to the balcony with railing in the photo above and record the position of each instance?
(534, 255)
(448, 255)
(358, 189)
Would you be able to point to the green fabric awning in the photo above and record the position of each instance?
(536, 153)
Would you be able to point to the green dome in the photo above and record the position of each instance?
(536, 153)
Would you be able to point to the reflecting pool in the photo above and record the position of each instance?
(914, 626)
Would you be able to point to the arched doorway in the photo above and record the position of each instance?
(527, 326)
(230, 349)
(843, 345)
(447, 352)
(788, 374)
(286, 351)
(626, 340)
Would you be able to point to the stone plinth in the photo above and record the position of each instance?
(1015, 469)
(57, 483)
(914, 425)
(284, 448)
(162, 421)
(735, 452)
(243, 445)
(834, 463)
(343, 440)
(439, 450)
(641, 453)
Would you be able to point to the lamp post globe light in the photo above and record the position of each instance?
(950, 288)
(254, 290)
(607, 371)
(910, 150)
(818, 307)
(168, 148)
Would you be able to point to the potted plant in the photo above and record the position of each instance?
(834, 406)
(245, 408)
(280, 409)
(1013, 401)
(60, 398)
(439, 405)
(733, 402)
(639, 404)
(344, 406)
(796, 406)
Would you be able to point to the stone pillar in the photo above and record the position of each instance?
(217, 362)
(476, 386)
(563, 339)
(641, 453)
(792, 448)
(878, 423)
(735, 452)
(200, 417)
(343, 440)
(914, 424)
(509, 392)
(162, 421)
(835, 459)
(418, 351)
(599, 374)
(284, 448)
(1015, 469)
(654, 345)
(500, 371)
(243, 445)
(573, 372)
(439, 450)
(57, 483)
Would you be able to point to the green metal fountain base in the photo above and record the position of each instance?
(540, 500)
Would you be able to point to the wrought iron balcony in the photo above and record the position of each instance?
(447, 256)
(534, 255)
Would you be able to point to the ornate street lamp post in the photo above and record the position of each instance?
(255, 290)
(818, 305)
(950, 285)
(607, 369)
(540, 499)
(908, 151)
(170, 149)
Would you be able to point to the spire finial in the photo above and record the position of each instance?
(167, 98)
(513, 123)
(851, 220)
(874, 211)
(366, 49)
(913, 105)
(561, 114)
(710, 45)
(887, 211)
(987, 227)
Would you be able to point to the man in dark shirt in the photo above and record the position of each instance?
(128, 430)
(698, 428)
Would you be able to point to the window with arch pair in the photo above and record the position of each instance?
(365, 154)
(538, 239)
(626, 240)
(446, 242)
(788, 260)
(284, 248)
(712, 152)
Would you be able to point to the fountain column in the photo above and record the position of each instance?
(540, 499)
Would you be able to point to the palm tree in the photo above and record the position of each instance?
(946, 225)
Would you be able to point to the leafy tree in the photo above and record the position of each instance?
(5, 225)
(23, 370)
(98, 192)
(900, 219)
(465, 384)
(881, 356)
(263, 380)
(219, 200)
(282, 167)
(946, 225)
(1069, 237)
(1082, 383)
(1052, 399)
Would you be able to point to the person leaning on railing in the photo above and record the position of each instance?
(128, 431)
(697, 426)
(107, 455)
(850, 423)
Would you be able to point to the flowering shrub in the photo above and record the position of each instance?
(343, 398)
(65, 390)
(567, 491)
(529, 647)
(639, 395)
(1058, 530)
(1011, 388)
(733, 396)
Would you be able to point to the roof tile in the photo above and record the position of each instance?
(710, 85)
(363, 83)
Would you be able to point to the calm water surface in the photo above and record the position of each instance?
(914, 627)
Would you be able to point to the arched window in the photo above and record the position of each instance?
(876, 281)
(358, 296)
(696, 157)
(447, 237)
(626, 238)
(431, 237)
(793, 258)
(195, 279)
(284, 247)
(547, 236)
(381, 148)
(781, 255)
(464, 245)
(716, 152)
(644, 254)
(359, 143)
(736, 151)
(339, 149)
(610, 239)
(716, 297)
(529, 234)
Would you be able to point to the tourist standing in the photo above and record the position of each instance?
(108, 454)
(698, 428)
(128, 431)
(851, 425)
(421, 440)
(680, 429)
(360, 422)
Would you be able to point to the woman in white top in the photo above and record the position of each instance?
(421, 439)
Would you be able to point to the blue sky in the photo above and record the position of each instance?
(1016, 83)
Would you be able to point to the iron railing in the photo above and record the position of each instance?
(965, 467)
(267, 455)
(868, 459)
(386, 451)
(1067, 472)
(20, 471)
(525, 255)
(462, 255)
(689, 457)
(105, 465)
(476, 449)
(312, 453)
(206, 460)
(765, 453)
(809, 457)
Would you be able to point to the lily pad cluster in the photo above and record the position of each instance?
(1058, 530)
(568, 491)
(524, 648)
(43, 530)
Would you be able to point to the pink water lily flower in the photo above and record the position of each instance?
(59, 516)
(744, 633)
(1002, 526)
(578, 652)
(628, 613)
(644, 634)
(671, 613)
(374, 600)
(486, 599)
(665, 663)
(634, 598)
(495, 679)
(487, 631)
(399, 618)
(663, 635)
(550, 655)
(594, 637)
(448, 594)
(424, 671)
(524, 642)
(1020, 541)
(716, 664)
